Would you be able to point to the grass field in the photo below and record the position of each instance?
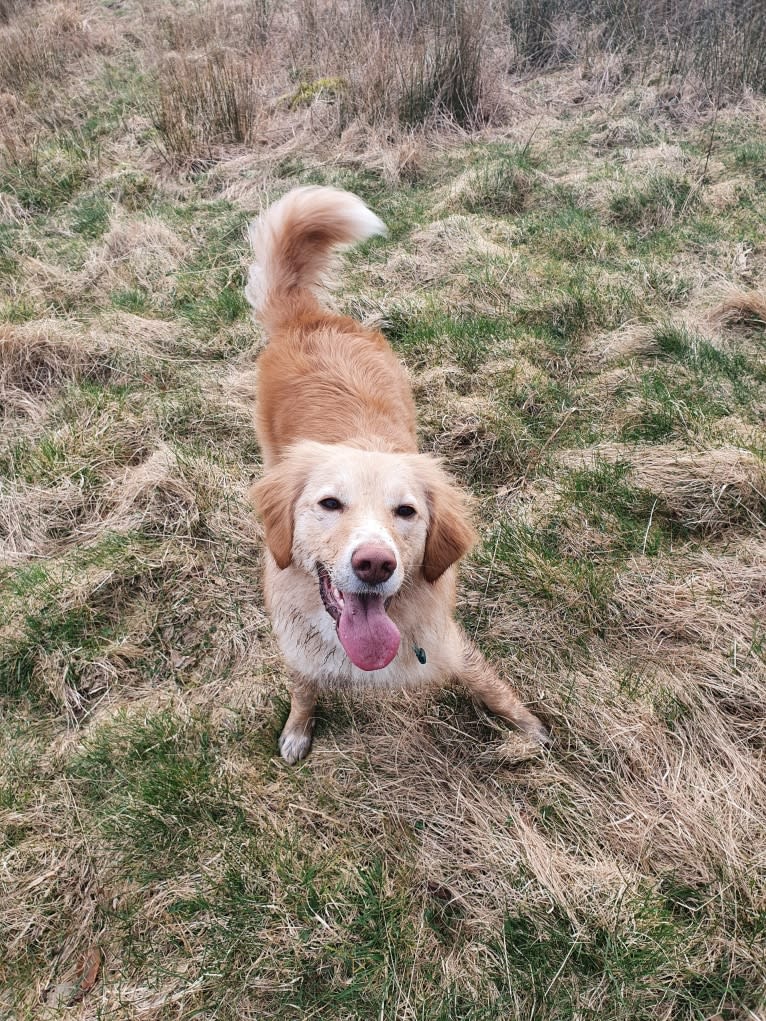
(575, 277)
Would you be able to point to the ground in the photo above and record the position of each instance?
(576, 282)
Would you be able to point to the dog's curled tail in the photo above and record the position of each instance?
(294, 242)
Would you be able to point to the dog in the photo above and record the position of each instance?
(362, 532)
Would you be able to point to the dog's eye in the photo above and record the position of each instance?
(330, 503)
(405, 511)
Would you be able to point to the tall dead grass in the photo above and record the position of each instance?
(721, 41)
(10, 8)
(235, 68)
(227, 69)
(413, 73)
(205, 101)
(40, 45)
(395, 66)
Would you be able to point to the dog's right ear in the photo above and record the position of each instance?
(274, 497)
(450, 533)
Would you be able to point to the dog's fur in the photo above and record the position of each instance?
(336, 421)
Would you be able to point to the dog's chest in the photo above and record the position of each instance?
(309, 643)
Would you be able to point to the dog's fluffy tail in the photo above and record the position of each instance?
(294, 242)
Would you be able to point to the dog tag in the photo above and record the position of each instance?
(420, 654)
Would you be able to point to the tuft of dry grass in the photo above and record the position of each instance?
(42, 44)
(33, 359)
(38, 358)
(206, 101)
(399, 69)
(136, 252)
(720, 42)
(11, 211)
(742, 308)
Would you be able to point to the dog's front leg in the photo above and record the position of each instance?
(298, 733)
(490, 690)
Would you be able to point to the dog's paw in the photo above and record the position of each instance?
(294, 745)
(535, 729)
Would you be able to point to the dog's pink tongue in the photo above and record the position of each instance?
(367, 633)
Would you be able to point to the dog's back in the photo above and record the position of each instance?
(322, 376)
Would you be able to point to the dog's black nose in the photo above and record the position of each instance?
(373, 564)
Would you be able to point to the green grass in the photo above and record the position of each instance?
(502, 183)
(151, 784)
(574, 234)
(664, 199)
(73, 635)
(534, 568)
(358, 924)
(752, 156)
(209, 290)
(45, 177)
(90, 216)
(631, 519)
(8, 263)
(673, 408)
(468, 340)
(579, 304)
(705, 360)
(134, 300)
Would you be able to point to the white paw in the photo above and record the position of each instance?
(535, 730)
(294, 745)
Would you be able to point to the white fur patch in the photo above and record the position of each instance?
(294, 745)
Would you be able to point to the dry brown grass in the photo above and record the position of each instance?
(11, 211)
(32, 359)
(356, 67)
(43, 44)
(207, 101)
(9, 8)
(742, 308)
(708, 489)
(36, 359)
(135, 252)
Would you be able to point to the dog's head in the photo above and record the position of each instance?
(365, 523)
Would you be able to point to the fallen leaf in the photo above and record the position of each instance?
(87, 973)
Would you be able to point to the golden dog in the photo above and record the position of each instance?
(362, 531)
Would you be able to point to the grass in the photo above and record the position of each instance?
(45, 177)
(721, 44)
(205, 103)
(501, 185)
(631, 520)
(659, 203)
(579, 300)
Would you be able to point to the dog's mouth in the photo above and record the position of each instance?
(366, 632)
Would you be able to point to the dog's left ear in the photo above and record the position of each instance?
(450, 533)
(274, 497)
